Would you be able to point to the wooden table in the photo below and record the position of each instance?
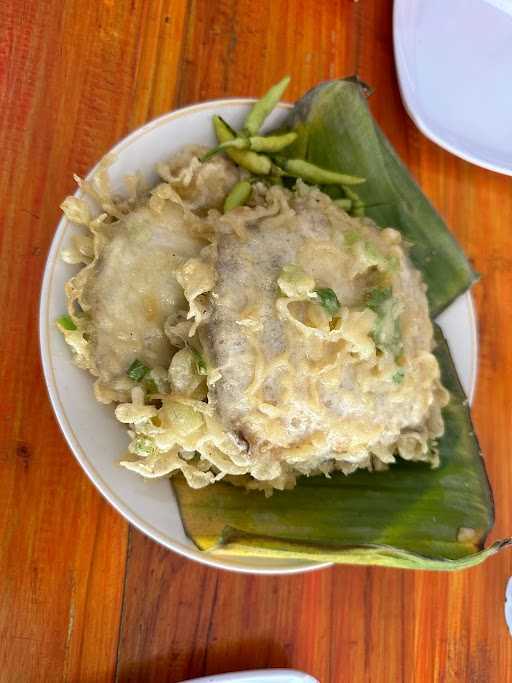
(84, 597)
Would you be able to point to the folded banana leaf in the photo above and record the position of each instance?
(410, 516)
(337, 131)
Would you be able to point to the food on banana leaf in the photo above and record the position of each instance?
(409, 516)
(256, 329)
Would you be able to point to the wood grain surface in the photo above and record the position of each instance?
(82, 596)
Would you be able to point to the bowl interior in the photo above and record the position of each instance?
(94, 436)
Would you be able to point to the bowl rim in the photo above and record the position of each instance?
(58, 407)
(417, 112)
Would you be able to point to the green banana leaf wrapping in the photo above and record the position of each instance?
(337, 131)
(410, 516)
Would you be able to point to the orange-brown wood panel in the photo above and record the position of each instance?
(75, 76)
(69, 75)
(458, 619)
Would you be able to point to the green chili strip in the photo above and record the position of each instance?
(314, 174)
(328, 300)
(66, 323)
(253, 162)
(257, 143)
(357, 203)
(137, 370)
(238, 196)
(263, 107)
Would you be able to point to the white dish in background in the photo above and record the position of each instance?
(260, 676)
(454, 63)
(91, 430)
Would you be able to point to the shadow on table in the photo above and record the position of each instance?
(218, 658)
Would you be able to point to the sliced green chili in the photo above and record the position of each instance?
(328, 300)
(263, 107)
(137, 370)
(66, 323)
(253, 162)
(314, 174)
(238, 195)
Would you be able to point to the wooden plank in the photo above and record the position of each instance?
(456, 630)
(239, 48)
(184, 620)
(68, 74)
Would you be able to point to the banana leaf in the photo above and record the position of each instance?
(410, 516)
(337, 131)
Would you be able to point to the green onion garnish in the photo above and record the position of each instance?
(201, 367)
(137, 370)
(66, 323)
(377, 296)
(328, 300)
(398, 377)
(150, 386)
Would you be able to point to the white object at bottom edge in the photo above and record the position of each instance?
(260, 676)
(508, 605)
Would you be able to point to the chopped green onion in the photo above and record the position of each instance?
(393, 263)
(398, 377)
(137, 370)
(386, 332)
(376, 297)
(201, 367)
(351, 237)
(142, 446)
(373, 252)
(66, 323)
(150, 386)
(328, 300)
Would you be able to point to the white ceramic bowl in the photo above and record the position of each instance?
(260, 676)
(454, 59)
(94, 436)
